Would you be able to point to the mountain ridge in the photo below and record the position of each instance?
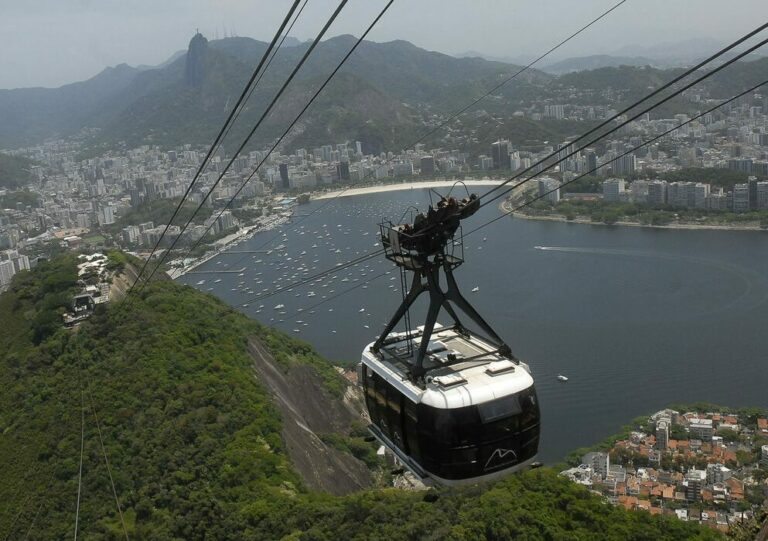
(384, 93)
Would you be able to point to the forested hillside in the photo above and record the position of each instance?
(165, 388)
(14, 171)
(385, 95)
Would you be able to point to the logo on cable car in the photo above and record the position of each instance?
(499, 458)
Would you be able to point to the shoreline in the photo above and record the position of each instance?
(349, 192)
(242, 234)
(227, 242)
(585, 221)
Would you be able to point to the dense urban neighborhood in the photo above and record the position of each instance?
(706, 466)
(119, 200)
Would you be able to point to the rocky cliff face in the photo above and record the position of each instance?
(307, 411)
(194, 71)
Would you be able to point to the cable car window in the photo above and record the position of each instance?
(393, 412)
(371, 397)
(530, 409)
(465, 455)
(411, 421)
(380, 392)
(467, 426)
(370, 382)
(393, 399)
(499, 408)
(444, 424)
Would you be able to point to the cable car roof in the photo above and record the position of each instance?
(483, 378)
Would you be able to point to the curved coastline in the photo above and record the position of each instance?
(349, 192)
(504, 207)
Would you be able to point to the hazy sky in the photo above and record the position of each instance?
(54, 42)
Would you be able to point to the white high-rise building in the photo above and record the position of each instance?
(7, 271)
(20, 263)
(83, 220)
(657, 192)
(701, 429)
(700, 195)
(131, 234)
(717, 473)
(554, 111)
(762, 195)
(613, 190)
(741, 197)
(546, 185)
(624, 165)
(107, 215)
(662, 435)
(599, 462)
(638, 191)
(694, 480)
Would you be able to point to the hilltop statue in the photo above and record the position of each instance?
(194, 71)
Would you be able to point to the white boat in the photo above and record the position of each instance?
(217, 281)
(562, 377)
(361, 310)
(279, 306)
(475, 289)
(311, 294)
(201, 282)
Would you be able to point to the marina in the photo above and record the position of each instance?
(665, 307)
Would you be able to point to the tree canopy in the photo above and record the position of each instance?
(194, 440)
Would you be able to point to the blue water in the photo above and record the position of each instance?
(636, 318)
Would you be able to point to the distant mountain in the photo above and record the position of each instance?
(671, 53)
(175, 56)
(32, 114)
(637, 81)
(659, 55)
(523, 60)
(583, 63)
(377, 97)
(291, 41)
(680, 53)
(384, 95)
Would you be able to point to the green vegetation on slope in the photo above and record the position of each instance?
(600, 211)
(194, 440)
(157, 211)
(14, 171)
(723, 178)
(20, 200)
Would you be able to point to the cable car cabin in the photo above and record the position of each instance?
(469, 421)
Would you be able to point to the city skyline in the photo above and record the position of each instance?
(49, 44)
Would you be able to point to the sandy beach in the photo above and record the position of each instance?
(349, 192)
